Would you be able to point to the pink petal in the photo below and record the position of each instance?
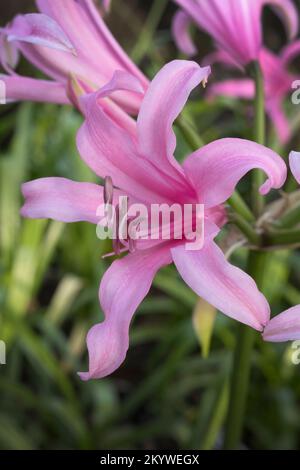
(288, 12)
(223, 285)
(295, 165)
(121, 80)
(234, 25)
(39, 29)
(284, 327)
(110, 150)
(181, 33)
(216, 168)
(122, 289)
(61, 199)
(164, 100)
(29, 89)
(99, 54)
(290, 52)
(239, 88)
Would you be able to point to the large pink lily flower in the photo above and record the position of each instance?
(67, 40)
(278, 85)
(235, 25)
(141, 164)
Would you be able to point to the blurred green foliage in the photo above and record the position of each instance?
(166, 395)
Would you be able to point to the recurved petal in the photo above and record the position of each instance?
(122, 289)
(163, 102)
(223, 285)
(216, 168)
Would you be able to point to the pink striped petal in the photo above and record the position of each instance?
(61, 199)
(164, 100)
(122, 289)
(216, 168)
(294, 159)
(95, 43)
(284, 327)
(181, 33)
(223, 285)
(110, 150)
(29, 89)
(39, 29)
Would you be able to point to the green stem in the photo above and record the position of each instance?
(144, 42)
(289, 219)
(189, 132)
(283, 237)
(238, 205)
(242, 364)
(246, 228)
(256, 266)
(260, 135)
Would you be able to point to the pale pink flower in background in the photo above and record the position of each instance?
(278, 85)
(235, 25)
(69, 42)
(141, 163)
(286, 326)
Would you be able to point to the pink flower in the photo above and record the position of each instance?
(286, 326)
(235, 25)
(141, 163)
(278, 85)
(69, 42)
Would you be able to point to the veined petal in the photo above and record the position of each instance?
(163, 102)
(216, 168)
(95, 44)
(122, 289)
(284, 327)
(39, 29)
(295, 165)
(181, 33)
(62, 199)
(223, 285)
(239, 88)
(29, 89)
(234, 25)
(288, 13)
(110, 150)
